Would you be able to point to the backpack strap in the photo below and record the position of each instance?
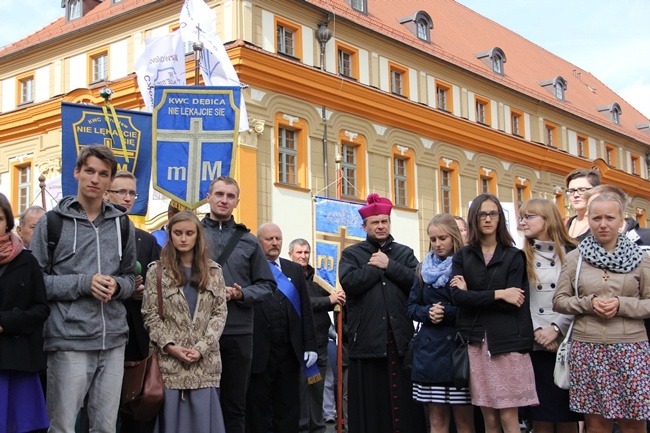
(232, 243)
(54, 225)
(124, 228)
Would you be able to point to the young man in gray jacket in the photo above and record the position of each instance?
(88, 274)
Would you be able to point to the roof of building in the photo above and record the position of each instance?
(458, 35)
(103, 11)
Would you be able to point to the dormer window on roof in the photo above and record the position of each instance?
(494, 59)
(645, 127)
(358, 5)
(420, 24)
(614, 111)
(75, 8)
(557, 87)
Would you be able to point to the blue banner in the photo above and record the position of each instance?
(88, 125)
(194, 131)
(338, 225)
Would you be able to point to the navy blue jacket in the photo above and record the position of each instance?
(434, 343)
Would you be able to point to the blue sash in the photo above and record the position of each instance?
(289, 290)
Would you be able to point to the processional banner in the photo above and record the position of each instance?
(337, 226)
(194, 132)
(127, 133)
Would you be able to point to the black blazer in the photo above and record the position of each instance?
(508, 328)
(303, 336)
(147, 251)
(23, 311)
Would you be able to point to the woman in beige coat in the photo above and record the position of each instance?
(186, 338)
(609, 361)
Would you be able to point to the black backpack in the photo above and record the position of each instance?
(54, 225)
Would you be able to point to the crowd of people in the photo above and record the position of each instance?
(241, 335)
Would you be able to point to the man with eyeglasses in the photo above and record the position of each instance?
(122, 191)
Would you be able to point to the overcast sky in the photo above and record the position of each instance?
(611, 40)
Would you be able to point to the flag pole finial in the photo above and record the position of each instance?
(198, 50)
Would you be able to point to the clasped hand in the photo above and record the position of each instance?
(103, 287)
(436, 313)
(605, 308)
(234, 292)
(183, 354)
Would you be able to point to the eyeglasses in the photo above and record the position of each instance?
(124, 193)
(493, 215)
(580, 191)
(528, 216)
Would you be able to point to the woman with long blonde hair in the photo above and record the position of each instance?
(430, 304)
(186, 338)
(546, 245)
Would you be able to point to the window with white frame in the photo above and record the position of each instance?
(24, 187)
(287, 156)
(27, 90)
(515, 120)
(396, 82)
(423, 30)
(445, 190)
(286, 41)
(481, 112)
(99, 67)
(349, 170)
(400, 181)
(345, 63)
(75, 9)
(359, 5)
(497, 64)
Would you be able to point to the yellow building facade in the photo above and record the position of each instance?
(425, 102)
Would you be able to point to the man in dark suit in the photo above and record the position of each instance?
(123, 192)
(311, 395)
(284, 340)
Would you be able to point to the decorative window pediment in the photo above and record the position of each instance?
(420, 24)
(614, 111)
(493, 59)
(557, 87)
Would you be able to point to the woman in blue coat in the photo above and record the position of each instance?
(430, 303)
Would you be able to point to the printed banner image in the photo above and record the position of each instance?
(126, 133)
(194, 132)
(337, 226)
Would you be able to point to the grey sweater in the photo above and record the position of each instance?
(78, 321)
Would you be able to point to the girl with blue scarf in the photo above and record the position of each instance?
(430, 304)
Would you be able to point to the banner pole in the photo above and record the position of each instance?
(339, 324)
(198, 49)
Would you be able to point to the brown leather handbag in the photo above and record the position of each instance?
(142, 385)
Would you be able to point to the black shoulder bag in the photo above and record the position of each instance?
(460, 357)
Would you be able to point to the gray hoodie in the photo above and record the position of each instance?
(78, 321)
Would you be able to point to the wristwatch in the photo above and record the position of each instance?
(557, 328)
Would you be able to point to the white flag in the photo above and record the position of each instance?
(161, 64)
(197, 24)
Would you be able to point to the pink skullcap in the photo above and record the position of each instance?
(376, 206)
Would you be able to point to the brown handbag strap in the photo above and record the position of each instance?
(159, 287)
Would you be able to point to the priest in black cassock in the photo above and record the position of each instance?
(377, 275)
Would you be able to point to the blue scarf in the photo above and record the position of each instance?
(435, 271)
